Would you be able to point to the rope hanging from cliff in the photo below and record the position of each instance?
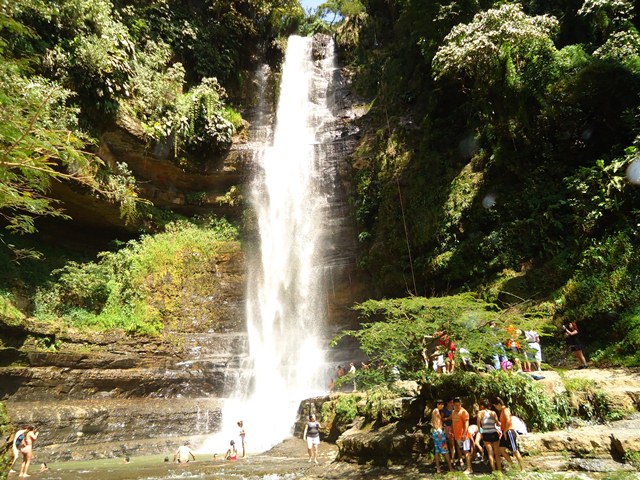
(406, 236)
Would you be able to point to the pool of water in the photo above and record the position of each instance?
(155, 468)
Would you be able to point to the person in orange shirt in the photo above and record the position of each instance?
(460, 419)
(509, 439)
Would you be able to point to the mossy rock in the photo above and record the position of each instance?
(5, 449)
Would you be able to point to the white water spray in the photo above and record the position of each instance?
(285, 296)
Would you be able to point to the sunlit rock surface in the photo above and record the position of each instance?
(74, 430)
(402, 439)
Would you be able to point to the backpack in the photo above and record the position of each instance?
(19, 442)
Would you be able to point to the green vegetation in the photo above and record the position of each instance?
(6, 430)
(142, 287)
(508, 131)
(633, 458)
(393, 331)
(71, 71)
(583, 399)
(524, 396)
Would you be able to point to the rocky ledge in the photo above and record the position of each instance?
(80, 430)
(403, 440)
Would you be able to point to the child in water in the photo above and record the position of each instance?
(232, 453)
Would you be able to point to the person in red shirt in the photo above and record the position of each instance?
(448, 348)
(460, 424)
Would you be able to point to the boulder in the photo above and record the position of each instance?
(395, 442)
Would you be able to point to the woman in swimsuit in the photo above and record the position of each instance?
(232, 453)
(27, 450)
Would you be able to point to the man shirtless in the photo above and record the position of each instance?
(439, 437)
(183, 453)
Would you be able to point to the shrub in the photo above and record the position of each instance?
(583, 399)
(525, 398)
(133, 288)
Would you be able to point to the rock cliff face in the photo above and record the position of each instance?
(102, 428)
(106, 395)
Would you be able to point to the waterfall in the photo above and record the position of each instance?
(286, 295)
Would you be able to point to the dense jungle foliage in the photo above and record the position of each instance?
(500, 156)
(72, 69)
(499, 152)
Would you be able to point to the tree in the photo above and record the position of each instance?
(506, 58)
(395, 328)
(607, 16)
(499, 46)
(40, 143)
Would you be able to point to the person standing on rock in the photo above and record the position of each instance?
(352, 373)
(183, 453)
(575, 345)
(509, 439)
(242, 434)
(460, 425)
(312, 436)
(534, 352)
(30, 436)
(439, 437)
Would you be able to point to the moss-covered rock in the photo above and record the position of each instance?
(5, 447)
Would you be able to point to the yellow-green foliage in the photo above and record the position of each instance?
(583, 398)
(156, 282)
(5, 447)
(464, 189)
(9, 313)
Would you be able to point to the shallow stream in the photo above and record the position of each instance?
(287, 461)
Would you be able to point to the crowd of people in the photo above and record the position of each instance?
(23, 439)
(492, 436)
(520, 351)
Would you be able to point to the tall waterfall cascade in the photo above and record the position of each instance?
(297, 216)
